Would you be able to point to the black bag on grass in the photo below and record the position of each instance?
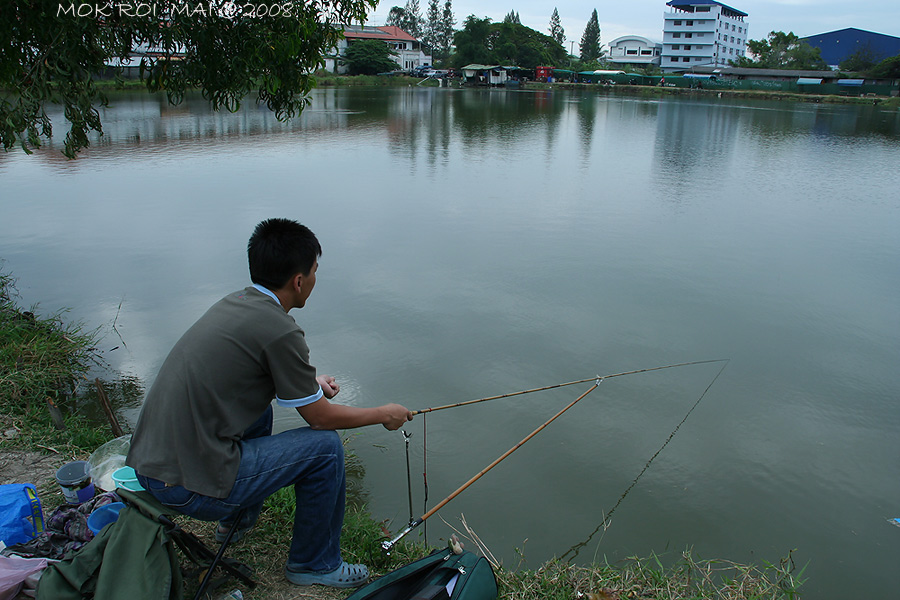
(441, 575)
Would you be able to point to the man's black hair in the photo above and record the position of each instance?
(278, 250)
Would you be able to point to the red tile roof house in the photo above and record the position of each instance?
(410, 51)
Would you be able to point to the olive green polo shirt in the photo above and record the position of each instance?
(217, 381)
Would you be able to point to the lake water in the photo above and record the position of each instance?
(481, 242)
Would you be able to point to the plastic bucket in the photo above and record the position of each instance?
(126, 478)
(103, 516)
(74, 479)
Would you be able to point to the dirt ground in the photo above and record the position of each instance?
(37, 468)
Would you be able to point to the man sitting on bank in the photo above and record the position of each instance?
(203, 443)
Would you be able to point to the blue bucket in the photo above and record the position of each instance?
(103, 516)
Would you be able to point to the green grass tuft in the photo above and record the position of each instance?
(43, 362)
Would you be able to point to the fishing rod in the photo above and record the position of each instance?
(559, 385)
(387, 545)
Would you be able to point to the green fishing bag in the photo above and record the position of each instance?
(441, 575)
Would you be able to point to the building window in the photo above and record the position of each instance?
(646, 53)
(740, 30)
(687, 35)
(677, 23)
(689, 23)
(731, 51)
(687, 47)
(631, 52)
(686, 59)
(700, 34)
(676, 46)
(732, 39)
(676, 35)
(732, 27)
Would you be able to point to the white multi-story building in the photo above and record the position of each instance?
(702, 33)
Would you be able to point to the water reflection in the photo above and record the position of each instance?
(693, 141)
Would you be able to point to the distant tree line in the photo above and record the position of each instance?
(787, 51)
(480, 41)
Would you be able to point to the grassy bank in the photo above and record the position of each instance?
(43, 363)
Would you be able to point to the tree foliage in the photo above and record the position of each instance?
(509, 44)
(864, 58)
(590, 39)
(448, 22)
(556, 29)
(53, 50)
(396, 17)
(473, 42)
(409, 18)
(782, 51)
(438, 29)
(369, 57)
(432, 26)
(512, 17)
(889, 68)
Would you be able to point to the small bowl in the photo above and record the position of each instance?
(103, 516)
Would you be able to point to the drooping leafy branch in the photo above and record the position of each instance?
(54, 50)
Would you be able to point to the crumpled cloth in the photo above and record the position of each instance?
(67, 530)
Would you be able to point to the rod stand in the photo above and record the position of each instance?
(388, 545)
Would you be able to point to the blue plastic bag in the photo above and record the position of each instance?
(21, 517)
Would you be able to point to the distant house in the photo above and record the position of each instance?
(702, 32)
(410, 51)
(839, 45)
(634, 50)
(475, 74)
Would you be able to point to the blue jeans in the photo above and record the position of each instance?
(311, 461)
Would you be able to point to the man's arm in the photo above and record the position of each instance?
(322, 414)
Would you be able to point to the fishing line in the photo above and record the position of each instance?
(424, 473)
(406, 437)
(574, 550)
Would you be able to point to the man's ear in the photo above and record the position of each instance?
(297, 282)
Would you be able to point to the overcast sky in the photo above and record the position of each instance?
(644, 17)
